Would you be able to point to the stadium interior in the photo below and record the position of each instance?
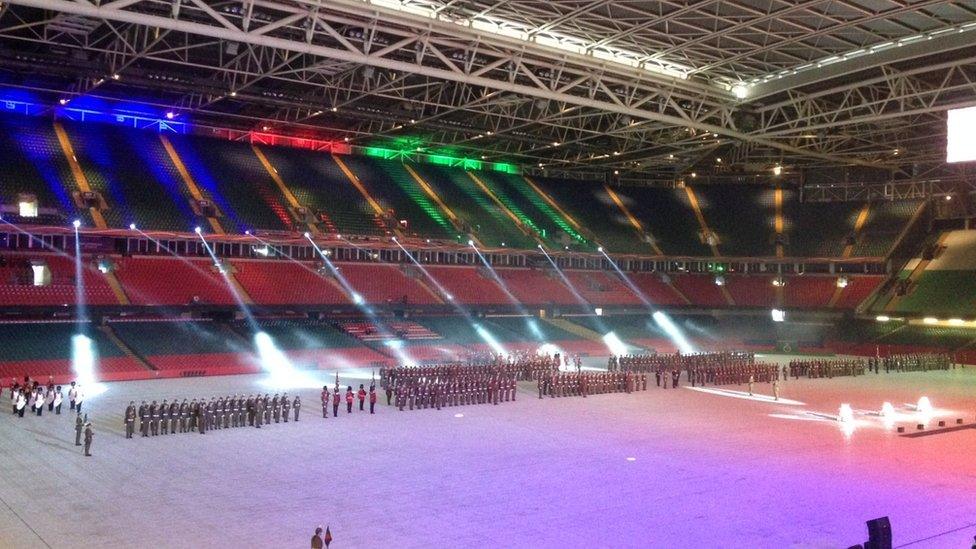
(363, 184)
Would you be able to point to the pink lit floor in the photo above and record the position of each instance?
(662, 468)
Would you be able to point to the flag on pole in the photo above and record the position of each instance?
(328, 536)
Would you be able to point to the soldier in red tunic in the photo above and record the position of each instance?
(362, 396)
(372, 398)
(349, 398)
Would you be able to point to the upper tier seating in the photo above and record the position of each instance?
(231, 175)
(467, 286)
(172, 281)
(320, 185)
(536, 287)
(31, 161)
(815, 229)
(806, 292)
(751, 290)
(17, 286)
(388, 182)
(668, 216)
(589, 204)
(477, 210)
(941, 292)
(742, 216)
(544, 216)
(601, 288)
(283, 282)
(381, 283)
(135, 177)
(655, 290)
(858, 289)
(885, 223)
(700, 289)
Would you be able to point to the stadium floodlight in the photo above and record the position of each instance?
(600, 249)
(170, 115)
(777, 170)
(740, 91)
(76, 223)
(470, 242)
(956, 321)
(930, 320)
(357, 299)
(882, 318)
(842, 282)
(197, 230)
(248, 232)
(132, 226)
(307, 235)
(778, 315)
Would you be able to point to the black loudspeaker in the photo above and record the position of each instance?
(879, 534)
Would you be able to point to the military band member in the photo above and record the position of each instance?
(130, 419)
(296, 405)
(79, 425)
(89, 435)
(144, 419)
(258, 411)
(174, 415)
(164, 418)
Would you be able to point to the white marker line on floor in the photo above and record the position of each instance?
(746, 396)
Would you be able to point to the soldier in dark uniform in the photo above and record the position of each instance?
(153, 418)
(220, 408)
(201, 417)
(335, 402)
(130, 419)
(389, 394)
(325, 401)
(250, 410)
(174, 415)
(89, 435)
(164, 418)
(372, 398)
(233, 412)
(258, 411)
(267, 409)
(144, 419)
(285, 407)
(79, 424)
(296, 405)
(184, 414)
(276, 409)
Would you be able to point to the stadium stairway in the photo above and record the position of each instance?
(128, 351)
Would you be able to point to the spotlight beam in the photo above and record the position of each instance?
(660, 317)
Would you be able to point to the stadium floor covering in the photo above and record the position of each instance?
(662, 468)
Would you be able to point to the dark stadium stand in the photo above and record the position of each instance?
(667, 216)
(488, 221)
(319, 185)
(113, 159)
(42, 349)
(231, 176)
(392, 186)
(741, 216)
(589, 204)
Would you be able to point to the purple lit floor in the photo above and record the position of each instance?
(663, 468)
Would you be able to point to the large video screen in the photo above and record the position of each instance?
(962, 135)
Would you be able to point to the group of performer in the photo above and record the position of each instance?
(30, 396)
(456, 384)
(204, 415)
(560, 384)
(913, 362)
(350, 397)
